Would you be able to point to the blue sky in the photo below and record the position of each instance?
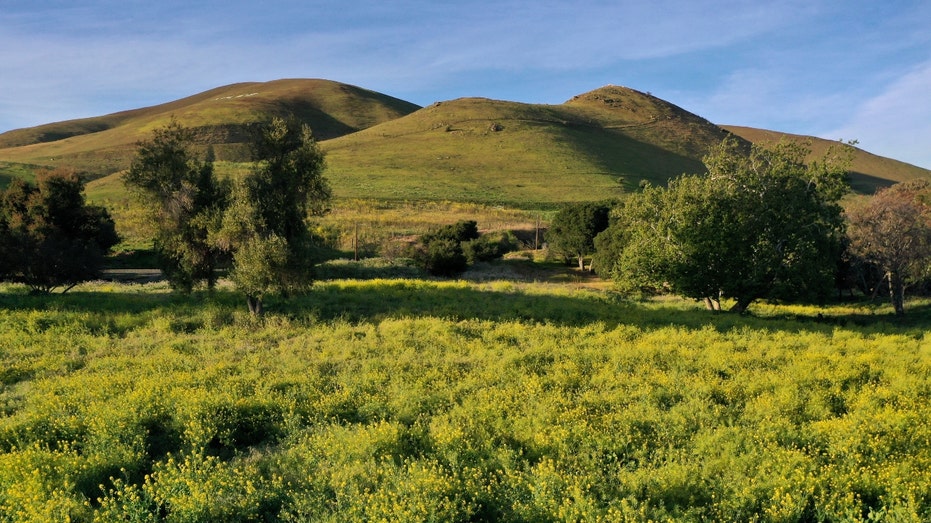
(835, 69)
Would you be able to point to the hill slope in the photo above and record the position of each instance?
(219, 117)
(595, 146)
(869, 171)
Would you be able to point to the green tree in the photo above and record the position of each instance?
(440, 252)
(574, 228)
(265, 225)
(893, 231)
(757, 225)
(185, 202)
(51, 237)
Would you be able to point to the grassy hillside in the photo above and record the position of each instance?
(593, 147)
(221, 117)
(869, 172)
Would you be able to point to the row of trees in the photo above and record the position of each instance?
(761, 224)
(49, 237)
(256, 225)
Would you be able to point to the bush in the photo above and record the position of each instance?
(440, 252)
(487, 247)
(444, 257)
(450, 250)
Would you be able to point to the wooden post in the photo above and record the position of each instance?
(536, 238)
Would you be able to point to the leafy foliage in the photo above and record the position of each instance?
(185, 202)
(266, 223)
(49, 237)
(762, 225)
(440, 252)
(893, 231)
(488, 247)
(574, 227)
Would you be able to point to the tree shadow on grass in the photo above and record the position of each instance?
(460, 302)
(457, 301)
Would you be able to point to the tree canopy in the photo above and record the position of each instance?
(185, 202)
(265, 225)
(49, 236)
(758, 225)
(893, 231)
(574, 227)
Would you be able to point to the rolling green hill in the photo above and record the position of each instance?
(220, 117)
(595, 146)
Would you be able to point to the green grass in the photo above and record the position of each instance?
(11, 171)
(411, 400)
(593, 147)
(521, 155)
(104, 145)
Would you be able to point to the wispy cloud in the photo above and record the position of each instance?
(896, 121)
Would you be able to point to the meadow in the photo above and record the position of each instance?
(420, 400)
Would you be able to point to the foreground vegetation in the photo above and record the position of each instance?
(413, 400)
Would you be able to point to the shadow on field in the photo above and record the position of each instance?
(380, 300)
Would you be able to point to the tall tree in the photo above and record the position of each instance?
(574, 227)
(757, 225)
(266, 225)
(52, 238)
(893, 230)
(185, 202)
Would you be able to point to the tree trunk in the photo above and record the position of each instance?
(255, 305)
(712, 304)
(896, 292)
(581, 263)
(742, 304)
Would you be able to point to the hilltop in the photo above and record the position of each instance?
(594, 146)
(220, 117)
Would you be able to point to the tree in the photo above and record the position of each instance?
(574, 228)
(51, 237)
(893, 230)
(757, 225)
(185, 202)
(440, 252)
(265, 225)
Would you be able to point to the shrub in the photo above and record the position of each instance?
(487, 247)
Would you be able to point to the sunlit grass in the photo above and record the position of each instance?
(412, 400)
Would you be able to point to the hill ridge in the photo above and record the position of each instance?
(594, 145)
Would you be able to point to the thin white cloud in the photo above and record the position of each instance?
(897, 122)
